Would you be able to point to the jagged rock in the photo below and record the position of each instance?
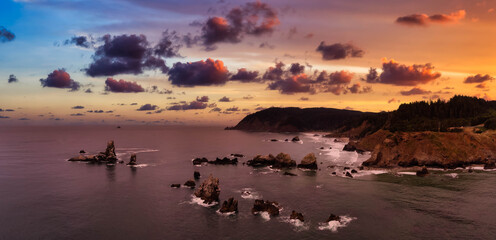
(82, 151)
(333, 173)
(309, 162)
(354, 171)
(346, 168)
(289, 174)
(321, 147)
(296, 215)
(209, 190)
(422, 172)
(190, 183)
(350, 147)
(336, 140)
(286, 140)
(490, 164)
(274, 140)
(333, 218)
(175, 185)
(237, 155)
(104, 157)
(296, 139)
(348, 174)
(199, 161)
(265, 206)
(228, 206)
(224, 161)
(283, 160)
(132, 160)
(196, 175)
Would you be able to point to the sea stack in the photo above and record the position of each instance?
(309, 162)
(272, 208)
(229, 206)
(196, 175)
(209, 190)
(422, 172)
(296, 215)
(132, 160)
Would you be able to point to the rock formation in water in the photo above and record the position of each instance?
(209, 190)
(490, 164)
(190, 183)
(282, 160)
(103, 157)
(295, 139)
(296, 215)
(199, 161)
(196, 175)
(238, 155)
(229, 206)
(289, 174)
(132, 160)
(309, 162)
(423, 172)
(348, 174)
(175, 185)
(272, 208)
(224, 161)
(333, 218)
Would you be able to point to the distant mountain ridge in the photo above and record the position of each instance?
(294, 119)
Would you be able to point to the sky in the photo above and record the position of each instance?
(212, 62)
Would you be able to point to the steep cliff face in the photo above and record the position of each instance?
(449, 150)
(297, 119)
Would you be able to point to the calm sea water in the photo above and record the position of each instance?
(42, 196)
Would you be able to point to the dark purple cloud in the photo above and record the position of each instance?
(304, 99)
(12, 78)
(129, 54)
(78, 107)
(424, 20)
(60, 79)
(293, 84)
(200, 73)
(6, 35)
(479, 78)
(232, 109)
(225, 99)
(168, 45)
(244, 75)
(122, 86)
(296, 69)
(202, 99)
(188, 106)
(402, 75)
(339, 51)
(147, 107)
(415, 91)
(274, 73)
(81, 41)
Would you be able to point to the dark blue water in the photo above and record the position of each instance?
(42, 196)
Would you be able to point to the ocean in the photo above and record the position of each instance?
(43, 196)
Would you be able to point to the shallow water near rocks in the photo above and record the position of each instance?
(42, 196)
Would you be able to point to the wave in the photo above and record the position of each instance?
(250, 193)
(199, 201)
(333, 226)
(298, 225)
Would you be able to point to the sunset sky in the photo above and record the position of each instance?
(212, 62)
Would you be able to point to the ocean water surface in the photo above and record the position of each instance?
(43, 196)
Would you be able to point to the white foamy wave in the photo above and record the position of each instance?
(319, 186)
(225, 214)
(407, 173)
(250, 193)
(199, 201)
(124, 152)
(334, 225)
(452, 175)
(297, 224)
(139, 165)
(264, 215)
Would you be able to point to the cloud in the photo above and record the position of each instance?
(479, 78)
(147, 107)
(128, 54)
(6, 35)
(81, 41)
(248, 97)
(202, 99)
(215, 109)
(401, 74)
(274, 73)
(225, 99)
(122, 86)
(339, 51)
(293, 84)
(253, 18)
(167, 46)
(12, 78)
(244, 75)
(200, 73)
(304, 99)
(482, 85)
(232, 109)
(4, 117)
(188, 106)
(77, 114)
(340, 77)
(60, 79)
(154, 89)
(415, 91)
(393, 100)
(296, 68)
(424, 19)
(88, 91)
(78, 107)
(266, 45)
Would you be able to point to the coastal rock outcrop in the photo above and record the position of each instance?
(309, 162)
(209, 190)
(175, 185)
(190, 183)
(295, 139)
(199, 161)
(229, 206)
(282, 160)
(423, 172)
(297, 215)
(333, 218)
(132, 160)
(103, 157)
(490, 164)
(224, 161)
(196, 175)
(272, 208)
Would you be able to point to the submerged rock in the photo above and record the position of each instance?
(190, 183)
(296, 139)
(237, 155)
(348, 174)
(274, 140)
(296, 215)
(175, 185)
(196, 175)
(103, 157)
(309, 162)
(229, 206)
(132, 160)
(82, 151)
(289, 174)
(354, 171)
(422, 172)
(209, 190)
(224, 161)
(199, 161)
(272, 208)
(333, 218)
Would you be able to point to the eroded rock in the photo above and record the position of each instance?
(209, 190)
(297, 215)
(272, 208)
(229, 206)
(308, 162)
